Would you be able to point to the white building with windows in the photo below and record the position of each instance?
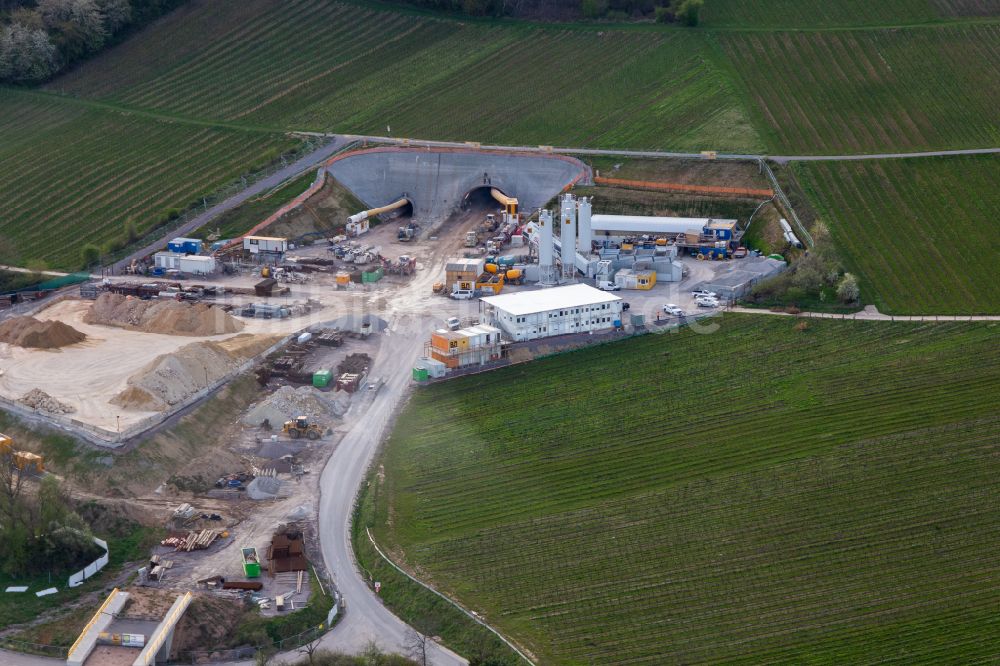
(575, 308)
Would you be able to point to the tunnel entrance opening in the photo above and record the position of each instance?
(480, 198)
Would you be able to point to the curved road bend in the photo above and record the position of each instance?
(366, 618)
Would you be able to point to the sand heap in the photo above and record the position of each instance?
(286, 403)
(31, 332)
(43, 402)
(163, 316)
(170, 379)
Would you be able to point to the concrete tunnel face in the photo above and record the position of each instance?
(438, 182)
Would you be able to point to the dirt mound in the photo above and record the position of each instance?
(172, 378)
(164, 316)
(286, 403)
(43, 402)
(31, 332)
(209, 621)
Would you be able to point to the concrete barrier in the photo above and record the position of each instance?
(105, 615)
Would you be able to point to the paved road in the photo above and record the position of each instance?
(421, 143)
(366, 619)
(278, 177)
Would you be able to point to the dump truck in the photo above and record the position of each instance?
(471, 239)
(301, 426)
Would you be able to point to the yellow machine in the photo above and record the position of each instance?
(509, 203)
(22, 460)
(265, 272)
(301, 426)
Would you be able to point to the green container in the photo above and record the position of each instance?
(420, 374)
(373, 276)
(322, 378)
(251, 563)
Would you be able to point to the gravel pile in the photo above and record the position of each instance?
(43, 402)
(286, 403)
(161, 316)
(38, 334)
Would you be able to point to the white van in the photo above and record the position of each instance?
(462, 294)
(604, 285)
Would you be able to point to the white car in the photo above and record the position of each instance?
(706, 302)
(454, 323)
(672, 309)
(704, 293)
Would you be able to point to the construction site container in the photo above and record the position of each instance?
(322, 378)
(167, 260)
(304, 338)
(25, 461)
(251, 563)
(184, 245)
(343, 278)
(372, 276)
(257, 244)
(197, 265)
(420, 374)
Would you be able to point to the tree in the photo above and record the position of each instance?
(688, 10)
(25, 54)
(117, 14)
(79, 23)
(309, 649)
(848, 291)
(90, 255)
(417, 646)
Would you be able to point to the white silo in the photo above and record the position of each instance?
(584, 233)
(567, 238)
(546, 264)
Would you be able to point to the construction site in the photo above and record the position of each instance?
(456, 264)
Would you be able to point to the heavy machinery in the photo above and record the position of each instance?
(471, 239)
(407, 233)
(25, 461)
(301, 426)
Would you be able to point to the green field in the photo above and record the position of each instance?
(761, 494)
(754, 14)
(920, 233)
(311, 64)
(872, 91)
(71, 174)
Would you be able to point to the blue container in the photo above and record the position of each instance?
(159, 270)
(618, 323)
(185, 245)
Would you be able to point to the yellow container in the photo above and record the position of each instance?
(343, 277)
(626, 246)
(661, 241)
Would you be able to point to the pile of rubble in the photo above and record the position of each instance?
(43, 402)
(287, 403)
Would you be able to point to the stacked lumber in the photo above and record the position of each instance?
(197, 540)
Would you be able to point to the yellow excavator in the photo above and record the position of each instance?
(300, 426)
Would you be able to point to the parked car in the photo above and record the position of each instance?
(705, 302)
(704, 293)
(604, 285)
(454, 323)
(462, 294)
(672, 309)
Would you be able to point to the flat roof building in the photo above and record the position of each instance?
(576, 308)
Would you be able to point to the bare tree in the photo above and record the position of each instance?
(309, 649)
(417, 646)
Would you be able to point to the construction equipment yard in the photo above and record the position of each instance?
(320, 337)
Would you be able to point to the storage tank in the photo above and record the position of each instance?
(546, 263)
(584, 233)
(567, 238)
(784, 225)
